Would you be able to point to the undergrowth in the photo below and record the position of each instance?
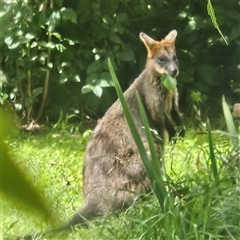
(200, 209)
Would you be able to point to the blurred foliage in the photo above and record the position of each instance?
(14, 181)
(55, 54)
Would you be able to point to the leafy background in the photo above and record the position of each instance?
(54, 54)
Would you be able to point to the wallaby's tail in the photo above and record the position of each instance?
(77, 219)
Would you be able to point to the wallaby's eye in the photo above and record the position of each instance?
(175, 58)
(162, 60)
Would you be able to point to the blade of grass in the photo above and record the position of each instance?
(128, 115)
(230, 124)
(211, 13)
(212, 155)
(155, 162)
(160, 189)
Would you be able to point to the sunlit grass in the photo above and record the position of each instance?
(201, 210)
(54, 164)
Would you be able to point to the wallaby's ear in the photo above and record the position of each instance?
(148, 41)
(171, 36)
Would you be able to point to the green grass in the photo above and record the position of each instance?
(201, 209)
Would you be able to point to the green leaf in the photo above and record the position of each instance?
(53, 21)
(14, 45)
(37, 91)
(76, 78)
(28, 101)
(106, 76)
(196, 96)
(185, 78)
(57, 35)
(63, 78)
(114, 37)
(92, 78)
(59, 2)
(42, 18)
(126, 56)
(96, 85)
(211, 13)
(94, 66)
(97, 90)
(50, 65)
(33, 45)
(104, 83)
(60, 47)
(3, 97)
(50, 45)
(235, 33)
(45, 44)
(29, 36)
(68, 14)
(168, 82)
(228, 117)
(11, 44)
(122, 17)
(87, 88)
(8, 40)
(230, 123)
(18, 106)
(202, 87)
(207, 73)
(235, 86)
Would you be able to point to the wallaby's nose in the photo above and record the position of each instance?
(175, 72)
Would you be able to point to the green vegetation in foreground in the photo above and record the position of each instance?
(202, 209)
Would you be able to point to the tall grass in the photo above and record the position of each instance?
(199, 212)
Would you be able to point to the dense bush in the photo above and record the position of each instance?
(55, 53)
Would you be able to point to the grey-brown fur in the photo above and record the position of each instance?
(113, 170)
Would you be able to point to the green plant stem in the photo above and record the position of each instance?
(29, 87)
(212, 155)
(47, 76)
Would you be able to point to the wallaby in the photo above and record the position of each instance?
(113, 171)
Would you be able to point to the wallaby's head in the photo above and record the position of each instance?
(161, 56)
